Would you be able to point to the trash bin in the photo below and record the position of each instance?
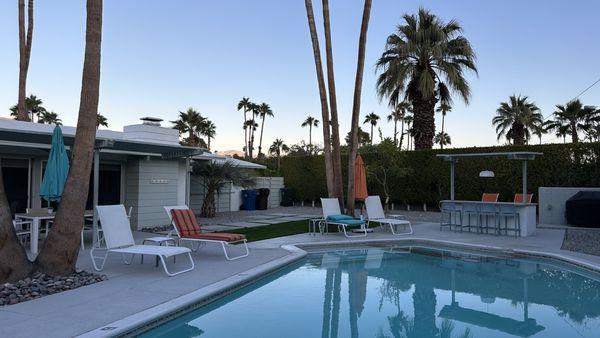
(249, 199)
(262, 200)
(288, 196)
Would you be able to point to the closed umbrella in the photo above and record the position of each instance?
(57, 169)
(360, 180)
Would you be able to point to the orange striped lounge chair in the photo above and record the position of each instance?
(186, 228)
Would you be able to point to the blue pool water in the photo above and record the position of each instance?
(404, 292)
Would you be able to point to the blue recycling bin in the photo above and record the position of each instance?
(249, 199)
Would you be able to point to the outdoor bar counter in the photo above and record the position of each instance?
(526, 212)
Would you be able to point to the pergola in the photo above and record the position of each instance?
(522, 156)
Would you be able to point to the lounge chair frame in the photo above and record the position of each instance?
(376, 214)
(331, 207)
(118, 238)
(200, 241)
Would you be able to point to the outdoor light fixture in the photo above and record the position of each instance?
(487, 173)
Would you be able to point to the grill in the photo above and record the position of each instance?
(583, 209)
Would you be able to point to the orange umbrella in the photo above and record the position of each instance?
(360, 179)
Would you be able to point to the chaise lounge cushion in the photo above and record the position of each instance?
(335, 218)
(188, 227)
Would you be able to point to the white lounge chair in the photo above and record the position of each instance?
(119, 239)
(186, 228)
(376, 214)
(331, 213)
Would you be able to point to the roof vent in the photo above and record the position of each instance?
(151, 121)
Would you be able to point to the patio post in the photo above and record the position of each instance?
(524, 181)
(452, 164)
(95, 195)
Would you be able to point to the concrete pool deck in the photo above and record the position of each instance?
(139, 290)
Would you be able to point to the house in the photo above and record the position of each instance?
(143, 167)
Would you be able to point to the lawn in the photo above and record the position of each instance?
(274, 230)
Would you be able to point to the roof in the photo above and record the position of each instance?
(511, 155)
(222, 159)
(14, 134)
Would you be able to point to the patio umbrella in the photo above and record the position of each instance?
(360, 179)
(57, 169)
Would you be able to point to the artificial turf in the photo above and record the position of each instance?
(273, 230)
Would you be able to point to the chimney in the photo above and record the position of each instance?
(151, 121)
(150, 130)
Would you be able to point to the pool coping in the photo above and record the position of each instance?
(136, 323)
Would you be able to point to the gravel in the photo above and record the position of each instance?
(582, 240)
(40, 285)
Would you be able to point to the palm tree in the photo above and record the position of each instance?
(575, 115)
(49, 117)
(425, 60)
(24, 56)
(33, 108)
(251, 125)
(409, 130)
(264, 110)
(190, 122)
(277, 148)
(516, 119)
(215, 176)
(442, 139)
(443, 108)
(323, 98)
(60, 249)
(101, 121)
(540, 129)
(244, 104)
(310, 122)
(360, 66)
(398, 115)
(371, 119)
(363, 137)
(209, 130)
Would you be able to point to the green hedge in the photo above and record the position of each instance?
(425, 178)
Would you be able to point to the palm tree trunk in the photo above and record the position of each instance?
(442, 132)
(360, 66)
(262, 127)
(24, 56)
(336, 157)
(14, 264)
(574, 135)
(251, 141)
(245, 134)
(395, 133)
(424, 120)
(208, 143)
(59, 252)
(371, 133)
(310, 136)
(401, 134)
(323, 96)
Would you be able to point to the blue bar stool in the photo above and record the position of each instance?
(507, 211)
(489, 210)
(471, 209)
(453, 211)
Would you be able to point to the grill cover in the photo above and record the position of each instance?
(583, 209)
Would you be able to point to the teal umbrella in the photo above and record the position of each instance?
(57, 169)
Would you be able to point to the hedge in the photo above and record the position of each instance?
(425, 177)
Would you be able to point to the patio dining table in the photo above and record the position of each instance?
(36, 219)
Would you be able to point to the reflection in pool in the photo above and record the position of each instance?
(404, 292)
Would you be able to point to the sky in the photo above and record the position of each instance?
(161, 57)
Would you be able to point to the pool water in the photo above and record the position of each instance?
(404, 292)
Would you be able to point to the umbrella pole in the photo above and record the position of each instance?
(95, 196)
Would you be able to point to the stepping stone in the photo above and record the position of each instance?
(218, 228)
(269, 221)
(259, 217)
(242, 224)
(282, 214)
(295, 218)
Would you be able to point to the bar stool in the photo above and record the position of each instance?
(487, 210)
(507, 211)
(452, 210)
(468, 210)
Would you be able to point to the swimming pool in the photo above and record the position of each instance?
(404, 292)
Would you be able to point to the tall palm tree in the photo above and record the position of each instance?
(209, 130)
(396, 115)
(49, 117)
(360, 67)
(33, 108)
(442, 138)
(575, 115)
(244, 105)
(255, 110)
(323, 98)
(263, 111)
(444, 108)
(336, 154)
(540, 129)
(363, 137)
(101, 121)
(371, 119)
(24, 56)
(310, 122)
(516, 119)
(277, 148)
(424, 61)
(60, 249)
(409, 130)
(190, 122)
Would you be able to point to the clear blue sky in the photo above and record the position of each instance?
(159, 57)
